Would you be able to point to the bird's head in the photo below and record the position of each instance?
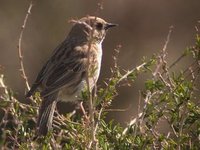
(91, 27)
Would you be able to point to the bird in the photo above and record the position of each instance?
(74, 63)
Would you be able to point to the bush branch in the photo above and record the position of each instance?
(22, 70)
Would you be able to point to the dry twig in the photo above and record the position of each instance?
(22, 70)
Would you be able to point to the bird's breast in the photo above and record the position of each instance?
(67, 94)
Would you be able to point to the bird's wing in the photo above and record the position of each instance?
(45, 69)
(65, 68)
(38, 80)
(66, 74)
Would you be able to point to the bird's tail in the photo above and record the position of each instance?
(46, 113)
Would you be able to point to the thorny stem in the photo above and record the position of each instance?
(162, 57)
(129, 72)
(22, 70)
(94, 143)
(91, 106)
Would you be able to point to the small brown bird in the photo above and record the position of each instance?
(64, 76)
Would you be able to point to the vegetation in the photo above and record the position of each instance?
(169, 96)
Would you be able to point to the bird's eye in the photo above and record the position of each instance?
(99, 26)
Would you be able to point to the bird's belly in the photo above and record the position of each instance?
(67, 94)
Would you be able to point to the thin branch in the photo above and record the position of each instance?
(177, 60)
(163, 54)
(22, 70)
(91, 105)
(168, 38)
(2, 85)
(130, 72)
(94, 143)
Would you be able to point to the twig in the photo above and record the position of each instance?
(162, 57)
(139, 102)
(94, 143)
(22, 70)
(2, 85)
(97, 123)
(129, 72)
(118, 109)
(139, 119)
(168, 38)
(177, 60)
(91, 106)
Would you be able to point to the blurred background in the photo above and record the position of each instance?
(142, 31)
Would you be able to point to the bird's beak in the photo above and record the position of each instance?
(110, 25)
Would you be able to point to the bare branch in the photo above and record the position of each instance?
(138, 68)
(22, 70)
(162, 57)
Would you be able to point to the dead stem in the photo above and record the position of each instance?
(91, 106)
(22, 70)
(162, 57)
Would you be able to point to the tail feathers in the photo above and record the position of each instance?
(46, 113)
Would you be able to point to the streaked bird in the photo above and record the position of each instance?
(64, 76)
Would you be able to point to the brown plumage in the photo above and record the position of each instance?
(63, 77)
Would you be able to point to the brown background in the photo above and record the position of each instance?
(143, 27)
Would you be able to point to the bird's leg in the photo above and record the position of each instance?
(83, 110)
(81, 107)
